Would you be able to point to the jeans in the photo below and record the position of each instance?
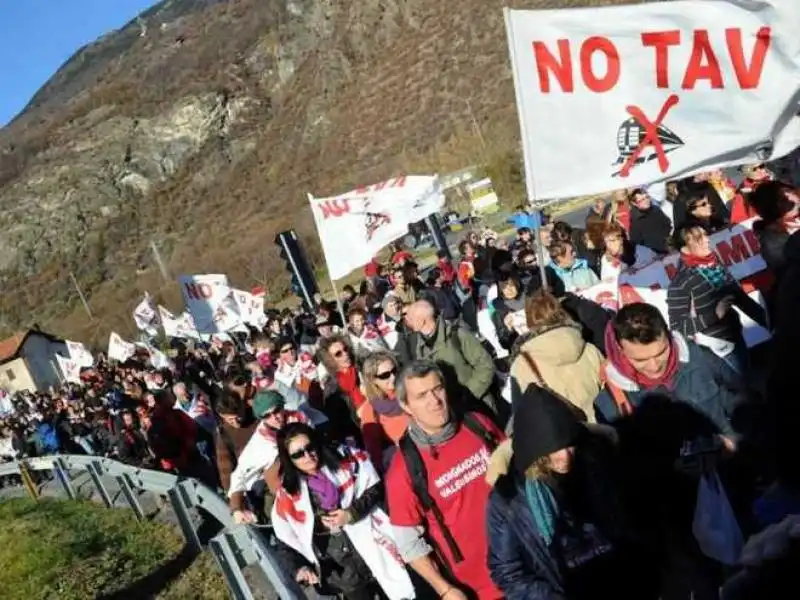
(739, 359)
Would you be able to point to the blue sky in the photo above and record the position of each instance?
(38, 36)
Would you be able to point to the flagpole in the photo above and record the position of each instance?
(529, 179)
(338, 300)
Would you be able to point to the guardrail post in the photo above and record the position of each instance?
(263, 559)
(95, 472)
(27, 481)
(182, 499)
(128, 491)
(62, 474)
(230, 563)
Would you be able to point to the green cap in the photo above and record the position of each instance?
(266, 401)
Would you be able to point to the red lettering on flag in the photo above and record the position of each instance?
(334, 208)
(610, 79)
(650, 136)
(748, 76)
(199, 291)
(703, 63)
(629, 295)
(752, 241)
(560, 68)
(733, 252)
(662, 40)
(398, 181)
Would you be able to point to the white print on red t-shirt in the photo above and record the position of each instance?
(464, 472)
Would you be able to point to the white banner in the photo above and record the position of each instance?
(209, 298)
(181, 326)
(145, 315)
(251, 308)
(158, 359)
(119, 349)
(79, 353)
(623, 96)
(737, 248)
(353, 227)
(70, 369)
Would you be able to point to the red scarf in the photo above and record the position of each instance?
(617, 358)
(691, 260)
(348, 383)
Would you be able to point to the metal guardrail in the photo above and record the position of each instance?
(235, 548)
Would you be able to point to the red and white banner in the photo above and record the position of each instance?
(70, 369)
(251, 308)
(209, 299)
(145, 315)
(181, 326)
(624, 96)
(353, 227)
(79, 354)
(737, 248)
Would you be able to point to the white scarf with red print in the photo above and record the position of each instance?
(293, 524)
(303, 368)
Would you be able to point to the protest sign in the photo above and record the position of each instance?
(79, 353)
(251, 308)
(181, 326)
(623, 96)
(353, 227)
(145, 315)
(209, 299)
(119, 349)
(70, 369)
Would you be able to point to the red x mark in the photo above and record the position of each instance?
(650, 136)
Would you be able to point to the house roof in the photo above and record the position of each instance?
(10, 347)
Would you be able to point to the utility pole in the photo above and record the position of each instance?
(82, 297)
(161, 266)
(477, 128)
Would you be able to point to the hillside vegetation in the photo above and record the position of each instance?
(200, 127)
(77, 550)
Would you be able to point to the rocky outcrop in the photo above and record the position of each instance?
(201, 125)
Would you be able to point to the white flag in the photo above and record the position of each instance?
(251, 307)
(119, 349)
(181, 326)
(624, 96)
(146, 315)
(158, 359)
(353, 227)
(209, 298)
(70, 369)
(79, 353)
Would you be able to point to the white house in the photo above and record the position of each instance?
(27, 361)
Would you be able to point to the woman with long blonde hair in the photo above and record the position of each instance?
(383, 421)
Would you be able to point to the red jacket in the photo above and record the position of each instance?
(448, 270)
(172, 437)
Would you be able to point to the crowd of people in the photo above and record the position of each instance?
(394, 452)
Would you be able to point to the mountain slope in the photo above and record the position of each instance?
(200, 126)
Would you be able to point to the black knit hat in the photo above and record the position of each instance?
(543, 423)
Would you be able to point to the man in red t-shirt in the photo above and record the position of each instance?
(455, 458)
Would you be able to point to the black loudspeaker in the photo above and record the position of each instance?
(304, 285)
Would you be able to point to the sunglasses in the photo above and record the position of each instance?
(338, 354)
(301, 452)
(528, 263)
(271, 413)
(386, 374)
(702, 204)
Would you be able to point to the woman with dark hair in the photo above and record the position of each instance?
(346, 547)
(341, 389)
(777, 204)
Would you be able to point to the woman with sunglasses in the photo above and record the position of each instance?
(383, 422)
(346, 547)
(341, 388)
(700, 211)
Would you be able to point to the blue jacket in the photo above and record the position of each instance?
(703, 381)
(577, 277)
(519, 561)
(47, 438)
(525, 567)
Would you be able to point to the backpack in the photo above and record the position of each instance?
(419, 476)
